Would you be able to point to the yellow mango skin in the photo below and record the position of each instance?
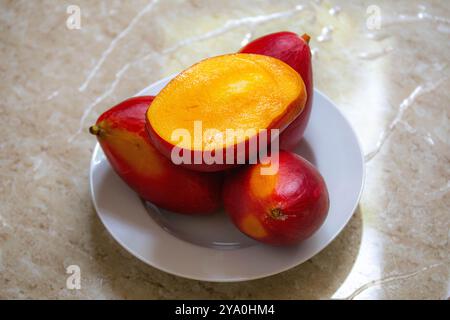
(134, 151)
(122, 136)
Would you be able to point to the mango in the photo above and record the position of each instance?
(284, 208)
(122, 135)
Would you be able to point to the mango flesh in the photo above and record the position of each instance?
(281, 209)
(295, 51)
(122, 135)
(234, 91)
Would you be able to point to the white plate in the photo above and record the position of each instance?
(211, 248)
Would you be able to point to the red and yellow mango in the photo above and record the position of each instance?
(280, 209)
(122, 135)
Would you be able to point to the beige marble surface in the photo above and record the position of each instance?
(391, 83)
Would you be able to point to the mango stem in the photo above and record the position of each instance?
(306, 37)
(277, 214)
(95, 130)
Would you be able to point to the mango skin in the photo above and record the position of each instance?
(281, 209)
(155, 178)
(294, 51)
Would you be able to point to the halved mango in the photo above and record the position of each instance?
(220, 96)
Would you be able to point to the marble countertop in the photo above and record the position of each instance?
(385, 66)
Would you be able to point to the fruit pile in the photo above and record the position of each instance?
(175, 149)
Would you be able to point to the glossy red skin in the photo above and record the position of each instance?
(300, 193)
(176, 188)
(294, 51)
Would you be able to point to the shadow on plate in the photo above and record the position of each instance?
(305, 150)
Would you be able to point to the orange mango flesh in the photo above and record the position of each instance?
(234, 91)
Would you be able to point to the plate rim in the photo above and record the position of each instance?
(259, 276)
